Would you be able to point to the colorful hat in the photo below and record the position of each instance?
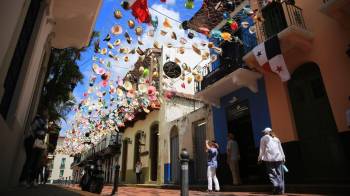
(167, 23)
(131, 24)
(117, 42)
(118, 14)
(138, 31)
(116, 30)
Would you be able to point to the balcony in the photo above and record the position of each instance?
(73, 21)
(287, 22)
(339, 10)
(105, 147)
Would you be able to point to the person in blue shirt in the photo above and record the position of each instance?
(212, 150)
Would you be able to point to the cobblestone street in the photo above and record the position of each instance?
(53, 190)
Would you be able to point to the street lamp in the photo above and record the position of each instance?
(118, 139)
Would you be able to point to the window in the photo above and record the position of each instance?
(63, 163)
(61, 173)
(18, 57)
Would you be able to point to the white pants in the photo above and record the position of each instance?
(211, 177)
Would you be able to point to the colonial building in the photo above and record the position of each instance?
(308, 112)
(29, 30)
(61, 166)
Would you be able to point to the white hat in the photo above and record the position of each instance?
(267, 130)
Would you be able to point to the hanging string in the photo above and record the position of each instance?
(165, 15)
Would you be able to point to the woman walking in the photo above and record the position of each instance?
(212, 149)
(271, 153)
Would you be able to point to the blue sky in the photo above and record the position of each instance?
(105, 20)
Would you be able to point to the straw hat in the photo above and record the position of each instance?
(173, 35)
(103, 51)
(167, 23)
(118, 14)
(198, 78)
(110, 46)
(117, 42)
(116, 30)
(163, 33)
(138, 31)
(196, 49)
(181, 50)
(131, 24)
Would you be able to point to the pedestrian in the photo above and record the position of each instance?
(34, 146)
(212, 150)
(138, 170)
(271, 153)
(233, 157)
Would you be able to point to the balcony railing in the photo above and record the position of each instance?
(277, 17)
(106, 143)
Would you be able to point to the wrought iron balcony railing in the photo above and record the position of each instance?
(277, 17)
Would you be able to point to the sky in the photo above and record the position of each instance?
(172, 8)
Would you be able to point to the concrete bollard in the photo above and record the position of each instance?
(184, 159)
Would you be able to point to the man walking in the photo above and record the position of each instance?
(271, 153)
(233, 157)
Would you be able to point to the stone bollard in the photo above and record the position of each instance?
(184, 159)
(116, 178)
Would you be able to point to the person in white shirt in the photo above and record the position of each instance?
(271, 153)
(233, 157)
(138, 171)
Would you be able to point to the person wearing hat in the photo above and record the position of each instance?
(271, 153)
(212, 150)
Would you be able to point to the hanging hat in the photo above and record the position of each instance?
(198, 78)
(189, 80)
(234, 26)
(195, 72)
(189, 4)
(205, 56)
(126, 58)
(226, 36)
(184, 25)
(183, 85)
(154, 22)
(127, 85)
(150, 33)
(196, 49)
(181, 50)
(210, 45)
(125, 5)
(107, 38)
(132, 51)
(156, 45)
(145, 72)
(118, 14)
(131, 93)
(173, 35)
(155, 74)
(169, 95)
(138, 31)
(128, 38)
(182, 77)
(204, 30)
(117, 42)
(167, 23)
(110, 46)
(169, 45)
(177, 61)
(215, 34)
(116, 30)
(252, 29)
(139, 51)
(142, 88)
(139, 41)
(183, 40)
(131, 24)
(184, 66)
(190, 35)
(141, 69)
(163, 33)
(245, 24)
(103, 51)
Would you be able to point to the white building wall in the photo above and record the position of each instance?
(68, 172)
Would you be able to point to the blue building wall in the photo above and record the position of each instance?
(259, 113)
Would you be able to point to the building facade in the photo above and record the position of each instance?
(30, 29)
(308, 112)
(61, 166)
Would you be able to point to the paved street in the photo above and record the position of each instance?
(52, 190)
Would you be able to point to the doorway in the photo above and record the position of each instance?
(124, 159)
(239, 123)
(322, 155)
(154, 151)
(174, 155)
(200, 155)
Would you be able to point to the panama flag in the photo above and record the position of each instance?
(139, 9)
(269, 56)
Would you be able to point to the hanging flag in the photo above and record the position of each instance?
(139, 9)
(269, 56)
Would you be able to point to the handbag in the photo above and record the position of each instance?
(38, 143)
